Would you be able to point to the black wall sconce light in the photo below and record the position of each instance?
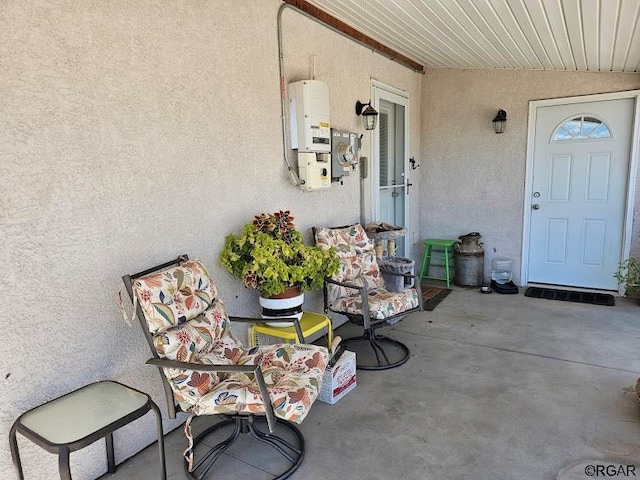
(500, 122)
(369, 115)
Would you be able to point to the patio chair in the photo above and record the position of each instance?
(358, 292)
(205, 370)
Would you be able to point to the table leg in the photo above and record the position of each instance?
(111, 460)
(160, 441)
(252, 336)
(63, 463)
(329, 333)
(299, 333)
(15, 454)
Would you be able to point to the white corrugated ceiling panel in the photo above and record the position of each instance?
(585, 35)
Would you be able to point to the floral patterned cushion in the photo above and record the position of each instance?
(175, 295)
(206, 332)
(348, 241)
(382, 303)
(205, 339)
(293, 374)
(358, 264)
(172, 302)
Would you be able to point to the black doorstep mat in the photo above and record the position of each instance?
(432, 296)
(568, 296)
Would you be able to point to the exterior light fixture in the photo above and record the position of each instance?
(369, 115)
(500, 122)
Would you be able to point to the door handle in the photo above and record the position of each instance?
(535, 206)
(409, 184)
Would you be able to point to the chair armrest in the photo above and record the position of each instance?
(201, 367)
(416, 284)
(398, 274)
(363, 296)
(256, 370)
(343, 284)
(296, 323)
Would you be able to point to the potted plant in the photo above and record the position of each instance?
(270, 256)
(628, 275)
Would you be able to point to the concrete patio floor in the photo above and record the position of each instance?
(497, 387)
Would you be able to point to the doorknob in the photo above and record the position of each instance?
(535, 206)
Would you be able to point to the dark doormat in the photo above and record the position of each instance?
(568, 296)
(432, 296)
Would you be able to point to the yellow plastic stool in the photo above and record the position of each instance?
(310, 323)
(444, 252)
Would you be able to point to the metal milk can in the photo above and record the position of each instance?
(469, 271)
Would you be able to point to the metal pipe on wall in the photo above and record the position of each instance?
(323, 18)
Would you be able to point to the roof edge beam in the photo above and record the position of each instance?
(356, 35)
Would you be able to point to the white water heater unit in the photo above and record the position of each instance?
(311, 132)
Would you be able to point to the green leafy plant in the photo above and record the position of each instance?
(270, 256)
(628, 274)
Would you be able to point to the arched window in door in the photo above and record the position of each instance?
(583, 127)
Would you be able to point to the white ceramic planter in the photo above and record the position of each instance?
(282, 307)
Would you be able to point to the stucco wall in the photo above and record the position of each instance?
(473, 179)
(134, 131)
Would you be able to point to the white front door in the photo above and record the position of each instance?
(578, 199)
(390, 155)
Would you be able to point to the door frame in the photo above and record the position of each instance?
(631, 178)
(391, 94)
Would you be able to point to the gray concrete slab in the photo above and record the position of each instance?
(498, 387)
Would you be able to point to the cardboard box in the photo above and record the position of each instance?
(339, 379)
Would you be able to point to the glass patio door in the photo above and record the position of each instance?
(390, 159)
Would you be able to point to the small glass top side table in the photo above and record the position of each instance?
(310, 323)
(81, 417)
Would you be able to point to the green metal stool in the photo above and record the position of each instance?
(444, 251)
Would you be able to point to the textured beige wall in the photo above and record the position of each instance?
(473, 179)
(134, 131)
(130, 136)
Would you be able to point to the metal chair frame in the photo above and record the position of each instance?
(370, 336)
(241, 423)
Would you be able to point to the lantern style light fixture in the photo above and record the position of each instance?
(369, 115)
(500, 122)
